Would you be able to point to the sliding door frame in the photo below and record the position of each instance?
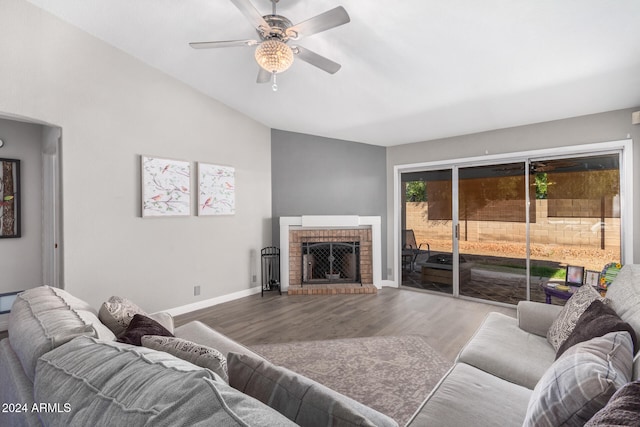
(623, 147)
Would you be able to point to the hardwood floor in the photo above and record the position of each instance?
(447, 323)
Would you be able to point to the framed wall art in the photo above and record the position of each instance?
(10, 198)
(216, 190)
(166, 187)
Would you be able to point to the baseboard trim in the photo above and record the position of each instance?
(388, 284)
(176, 311)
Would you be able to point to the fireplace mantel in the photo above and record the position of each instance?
(287, 223)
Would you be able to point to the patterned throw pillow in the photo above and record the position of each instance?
(117, 312)
(581, 381)
(566, 321)
(596, 321)
(199, 355)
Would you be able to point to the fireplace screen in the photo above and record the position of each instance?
(330, 262)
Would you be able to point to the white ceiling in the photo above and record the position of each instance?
(412, 70)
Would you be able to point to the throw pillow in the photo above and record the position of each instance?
(622, 410)
(566, 321)
(116, 313)
(298, 398)
(200, 355)
(138, 327)
(596, 321)
(581, 381)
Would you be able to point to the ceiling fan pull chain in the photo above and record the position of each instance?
(275, 84)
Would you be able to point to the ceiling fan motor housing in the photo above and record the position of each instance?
(278, 30)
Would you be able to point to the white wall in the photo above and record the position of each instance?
(21, 258)
(111, 109)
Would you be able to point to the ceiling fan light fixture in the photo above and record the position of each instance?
(274, 56)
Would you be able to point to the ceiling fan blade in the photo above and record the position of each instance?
(252, 14)
(227, 43)
(263, 76)
(325, 21)
(316, 60)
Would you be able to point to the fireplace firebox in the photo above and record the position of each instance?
(330, 262)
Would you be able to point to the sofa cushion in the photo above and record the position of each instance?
(536, 317)
(299, 398)
(581, 381)
(564, 324)
(197, 354)
(596, 321)
(623, 409)
(117, 312)
(197, 331)
(140, 326)
(624, 296)
(501, 348)
(44, 318)
(113, 384)
(15, 388)
(468, 396)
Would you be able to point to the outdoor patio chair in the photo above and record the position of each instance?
(411, 249)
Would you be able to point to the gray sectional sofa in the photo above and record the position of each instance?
(499, 376)
(61, 366)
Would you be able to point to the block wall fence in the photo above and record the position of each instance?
(566, 231)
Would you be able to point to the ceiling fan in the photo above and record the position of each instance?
(273, 53)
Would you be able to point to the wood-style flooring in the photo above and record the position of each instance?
(447, 323)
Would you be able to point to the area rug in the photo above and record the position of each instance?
(390, 374)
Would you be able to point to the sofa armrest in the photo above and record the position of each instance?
(202, 334)
(165, 319)
(536, 317)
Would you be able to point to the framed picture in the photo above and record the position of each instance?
(592, 278)
(216, 190)
(575, 275)
(10, 202)
(166, 187)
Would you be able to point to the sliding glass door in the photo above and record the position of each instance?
(501, 231)
(426, 232)
(492, 232)
(575, 219)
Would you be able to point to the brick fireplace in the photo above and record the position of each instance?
(329, 235)
(340, 229)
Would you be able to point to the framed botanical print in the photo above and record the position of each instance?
(166, 187)
(216, 190)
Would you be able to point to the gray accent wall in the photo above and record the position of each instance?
(313, 175)
(603, 127)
